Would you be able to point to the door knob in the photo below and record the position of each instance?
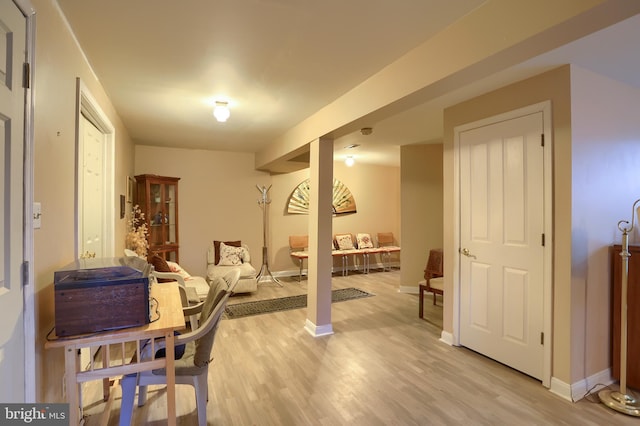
(466, 252)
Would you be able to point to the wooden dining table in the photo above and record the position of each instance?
(115, 345)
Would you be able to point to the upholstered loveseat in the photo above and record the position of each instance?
(223, 256)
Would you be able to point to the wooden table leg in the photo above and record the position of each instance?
(71, 368)
(106, 385)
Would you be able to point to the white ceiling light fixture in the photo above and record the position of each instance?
(221, 111)
(349, 161)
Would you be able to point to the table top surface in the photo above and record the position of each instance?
(166, 316)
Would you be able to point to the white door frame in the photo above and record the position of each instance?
(28, 254)
(87, 105)
(545, 108)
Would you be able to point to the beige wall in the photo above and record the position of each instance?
(58, 63)
(422, 209)
(376, 190)
(219, 200)
(605, 183)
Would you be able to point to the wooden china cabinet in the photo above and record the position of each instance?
(157, 197)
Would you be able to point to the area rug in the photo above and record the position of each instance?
(258, 307)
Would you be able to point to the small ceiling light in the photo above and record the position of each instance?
(221, 111)
(353, 145)
(349, 161)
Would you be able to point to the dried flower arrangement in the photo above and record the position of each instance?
(137, 231)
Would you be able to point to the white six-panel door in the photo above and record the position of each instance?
(501, 247)
(12, 104)
(93, 182)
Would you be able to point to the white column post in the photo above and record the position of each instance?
(320, 238)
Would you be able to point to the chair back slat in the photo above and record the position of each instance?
(385, 239)
(434, 266)
(298, 242)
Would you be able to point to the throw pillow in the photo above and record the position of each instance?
(230, 256)
(216, 248)
(178, 270)
(160, 265)
(245, 257)
(364, 241)
(344, 242)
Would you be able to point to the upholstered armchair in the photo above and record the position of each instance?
(224, 256)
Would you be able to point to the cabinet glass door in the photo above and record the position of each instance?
(170, 214)
(157, 215)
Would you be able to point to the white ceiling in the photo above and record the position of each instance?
(164, 62)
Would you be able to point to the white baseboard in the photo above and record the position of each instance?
(561, 389)
(446, 337)
(318, 331)
(578, 390)
(408, 289)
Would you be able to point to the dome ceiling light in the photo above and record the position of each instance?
(221, 111)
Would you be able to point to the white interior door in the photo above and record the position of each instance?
(12, 104)
(93, 193)
(501, 242)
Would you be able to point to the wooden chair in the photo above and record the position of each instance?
(433, 272)
(386, 246)
(346, 246)
(298, 246)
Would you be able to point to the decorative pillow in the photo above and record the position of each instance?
(245, 257)
(178, 270)
(160, 265)
(344, 242)
(230, 255)
(216, 248)
(364, 241)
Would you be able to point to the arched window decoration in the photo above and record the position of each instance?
(343, 201)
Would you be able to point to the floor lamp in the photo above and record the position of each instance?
(265, 274)
(620, 400)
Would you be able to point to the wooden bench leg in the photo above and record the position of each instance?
(421, 302)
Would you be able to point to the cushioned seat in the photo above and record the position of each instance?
(437, 284)
(247, 282)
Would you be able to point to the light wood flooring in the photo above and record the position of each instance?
(382, 366)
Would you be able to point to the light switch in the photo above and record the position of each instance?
(37, 214)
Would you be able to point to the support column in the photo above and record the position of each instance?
(320, 238)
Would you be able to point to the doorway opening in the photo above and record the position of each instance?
(87, 109)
